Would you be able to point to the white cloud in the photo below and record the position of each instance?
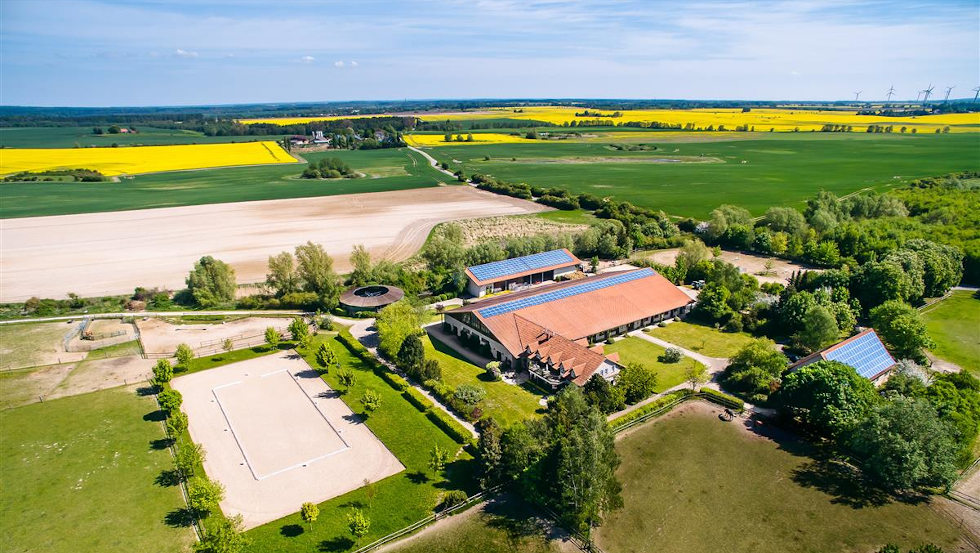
(307, 59)
(794, 73)
(181, 53)
(353, 63)
(338, 64)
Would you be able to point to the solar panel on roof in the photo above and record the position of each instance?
(584, 287)
(498, 269)
(866, 354)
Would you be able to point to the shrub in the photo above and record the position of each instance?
(170, 400)
(430, 370)
(453, 498)
(469, 394)
(416, 398)
(672, 355)
(449, 425)
(723, 399)
(493, 370)
(650, 407)
(163, 371)
(371, 400)
(661, 324)
(394, 380)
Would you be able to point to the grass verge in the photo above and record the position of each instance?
(637, 350)
(954, 324)
(701, 339)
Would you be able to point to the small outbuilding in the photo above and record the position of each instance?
(370, 298)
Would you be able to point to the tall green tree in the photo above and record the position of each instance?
(282, 277)
(637, 382)
(211, 282)
(187, 459)
(360, 261)
(411, 354)
(163, 371)
(606, 397)
(184, 355)
(902, 329)
(828, 397)
(819, 328)
(315, 269)
(490, 453)
(225, 535)
(395, 323)
(272, 337)
(905, 445)
(298, 329)
(755, 370)
(203, 495)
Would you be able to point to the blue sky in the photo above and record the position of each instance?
(178, 52)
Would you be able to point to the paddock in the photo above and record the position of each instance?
(277, 436)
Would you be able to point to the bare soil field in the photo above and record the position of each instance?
(490, 228)
(754, 265)
(161, 337)
(277, 435)
(35, 344)
(108, 333)
(98, 374)
(111, 253)
(21, 387)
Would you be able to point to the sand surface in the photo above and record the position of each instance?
(161, 338)
(304, 444)
(752, 264)
(111, 253)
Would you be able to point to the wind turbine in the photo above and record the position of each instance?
(891, 92)
(918, 96)
(928, 92)
(977, 95)
(948, 90)
(857, 94)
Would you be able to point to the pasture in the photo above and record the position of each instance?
(83, 137)
(385, 170)
(954, 325)
(701, 339)
(757, 173)
(691, 482)
(145, 159)
(81, 475)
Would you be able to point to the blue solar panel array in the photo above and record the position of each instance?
(584, 287)
(497, 269)
(866, 354)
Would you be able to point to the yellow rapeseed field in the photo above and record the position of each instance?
(429, 140)
(777, 119)
(142, 159)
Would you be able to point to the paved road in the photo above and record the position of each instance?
(435, 164)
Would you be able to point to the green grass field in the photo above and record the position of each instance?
(692, 482)
(390, 169)
(701, 339)
(783, 169)
(954, 324)
(507, 403)
(82, 137)
(504, 525)
(400, 499)
(78, 476)
(637, 350)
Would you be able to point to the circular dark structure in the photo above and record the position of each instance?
(370, 298)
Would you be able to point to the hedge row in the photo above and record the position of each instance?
(724, 399)
(449, 425)
(416, 398)
(650, 407)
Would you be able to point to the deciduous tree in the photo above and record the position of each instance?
(636, 381)
(211, 282)
(203, 495)
(282, 277)
(310, 512)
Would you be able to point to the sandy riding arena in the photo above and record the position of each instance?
(111, 253)
(751, 264)
(277, 436)
(160, 338)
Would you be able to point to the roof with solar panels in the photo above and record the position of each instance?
(577, 309)
(521, 266)
(863, 351)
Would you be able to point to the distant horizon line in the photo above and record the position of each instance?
(476, 99)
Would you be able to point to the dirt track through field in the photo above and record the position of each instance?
(111, 253)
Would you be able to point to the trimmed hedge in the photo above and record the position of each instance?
(449, 425)
(724, 399)
(416, 398)
(394, 380)
(650, 407)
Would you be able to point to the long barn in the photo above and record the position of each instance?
(550, 330)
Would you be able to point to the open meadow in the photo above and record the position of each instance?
(383, 170)
(692, 482)
(110, 253)
(82, 475)
(144, 159)
(954, 325)
(637, 350)
(693, 178)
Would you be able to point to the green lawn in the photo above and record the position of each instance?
(388, 169)
(400, 499)
(32, 344)
(78, 475)
(692, 482)
(123, 349)
(781, 169)
(701, 339)
(83, 137)
(638, 350)
(504, 525)
(574, 217)
(507, 403)
(954, 324)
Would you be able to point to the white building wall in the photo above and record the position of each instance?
(495, 346)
